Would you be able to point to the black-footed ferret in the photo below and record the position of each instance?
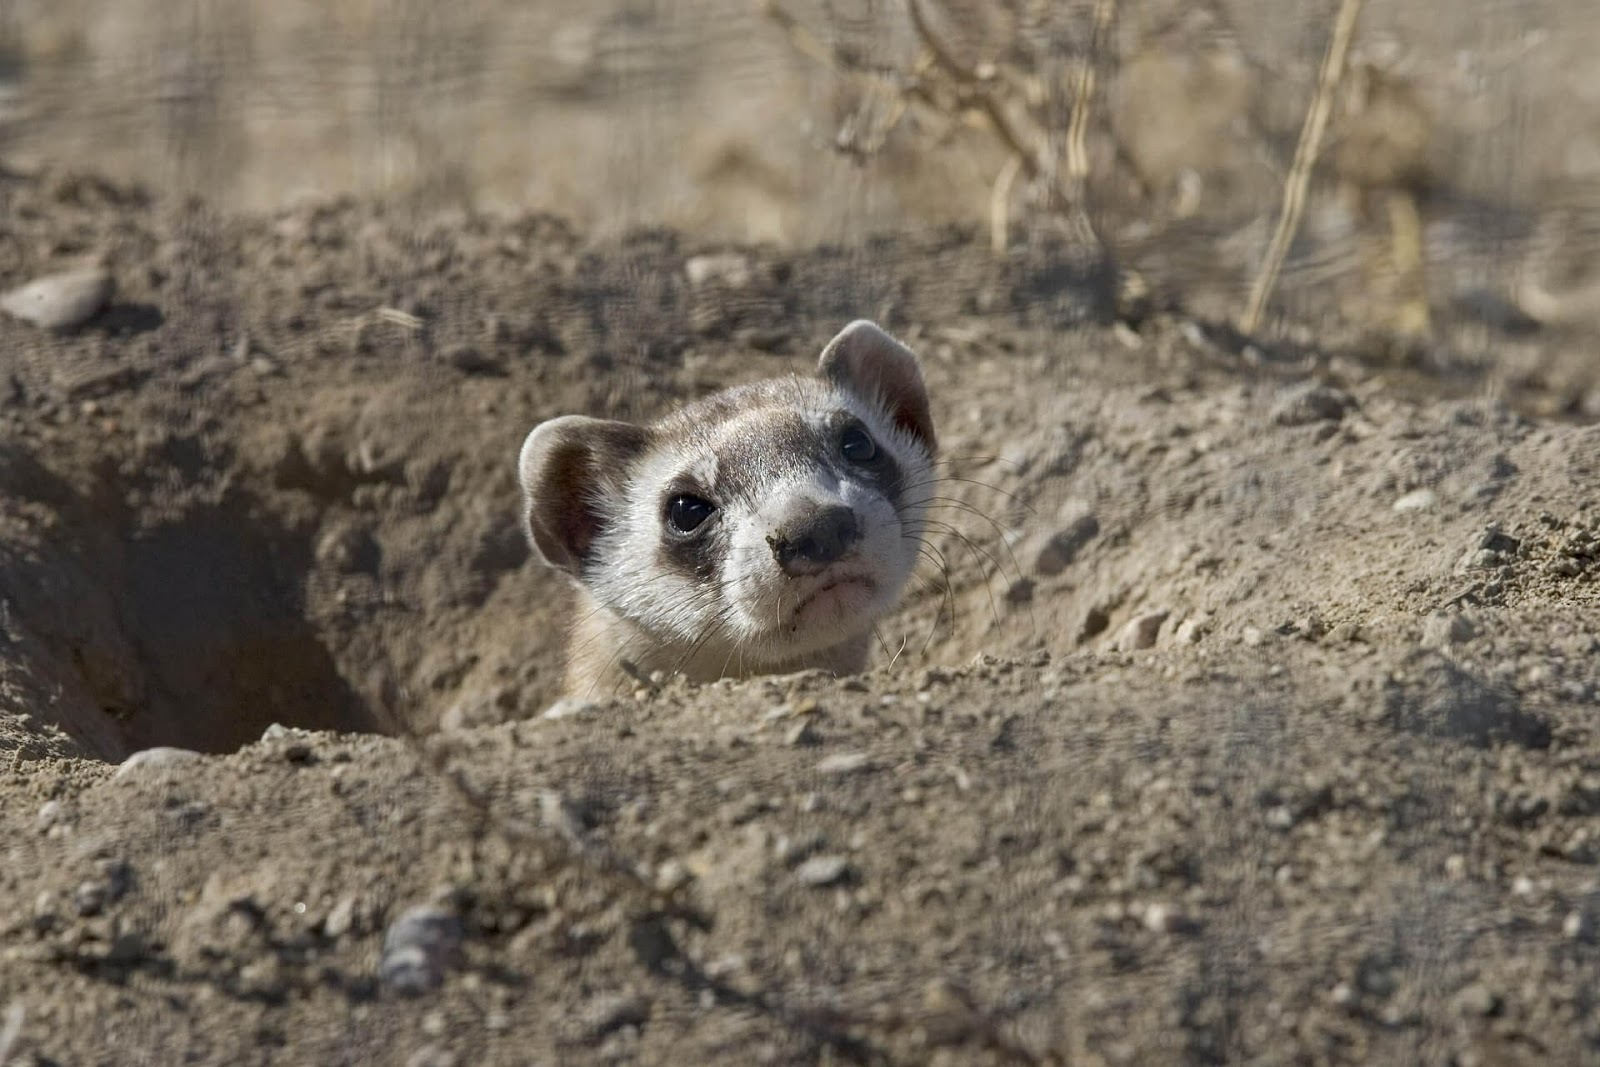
(758, 530)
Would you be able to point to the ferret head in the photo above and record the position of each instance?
(755, 527)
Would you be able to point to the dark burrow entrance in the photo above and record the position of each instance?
(215, 605)
(188, 628)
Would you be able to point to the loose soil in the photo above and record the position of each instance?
(1244, 712)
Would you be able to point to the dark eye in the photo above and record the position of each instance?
(686, 513)
(858, 446)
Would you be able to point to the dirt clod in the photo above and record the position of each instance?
(419, 948)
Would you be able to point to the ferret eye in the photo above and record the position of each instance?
(858, 446)
(686, 513)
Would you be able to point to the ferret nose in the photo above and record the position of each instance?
(823, 536)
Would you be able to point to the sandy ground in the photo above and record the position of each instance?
(1245, 711)
(1252, 718)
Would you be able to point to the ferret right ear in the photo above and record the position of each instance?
(569, 468)
(868, 362)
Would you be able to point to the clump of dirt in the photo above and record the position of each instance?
(1247, 714)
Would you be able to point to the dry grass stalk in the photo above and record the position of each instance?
(1298, 182)
(1105, 15)
(1002, 100)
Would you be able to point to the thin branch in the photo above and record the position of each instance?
(986, 102)
(1305, 158)
(1105, 14)
(1000, 205)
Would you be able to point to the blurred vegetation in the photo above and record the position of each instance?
(1456, 198)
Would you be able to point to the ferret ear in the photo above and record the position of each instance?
(868, 362)
(569, 467)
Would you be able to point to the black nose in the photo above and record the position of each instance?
(823, 536)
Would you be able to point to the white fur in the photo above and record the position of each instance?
(746, 620)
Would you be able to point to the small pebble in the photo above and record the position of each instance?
(1495, 540)
(1165, 919)
(418, 948)
(672, 876)
(1141, 631)
(162, 757)
(470, 359)
(606, 1014)
(1308, 403)
(802, 733)
(1063, 546)
(341, 919)
(90, 898)
(49, 814)
(1443, 629)
(60, 301)
(1417, 500)
(1477, 999)
(819, 871)
(843, 763)
(1479, 559)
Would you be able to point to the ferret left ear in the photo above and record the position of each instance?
(868, 362)
(572, 471)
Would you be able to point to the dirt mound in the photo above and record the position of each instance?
(1247, 714)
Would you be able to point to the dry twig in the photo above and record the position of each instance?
(1298, 182)
(1105, 14)
(1010, 104)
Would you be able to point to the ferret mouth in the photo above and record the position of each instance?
(833, 584)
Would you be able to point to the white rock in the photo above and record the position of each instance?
(160, 758)
(1164, 919)
(843, 763)
(821, 871)
(50, 813)
(1416, 500)
(60, 301)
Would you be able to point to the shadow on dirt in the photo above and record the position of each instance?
(190, 631)
(214, 607)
